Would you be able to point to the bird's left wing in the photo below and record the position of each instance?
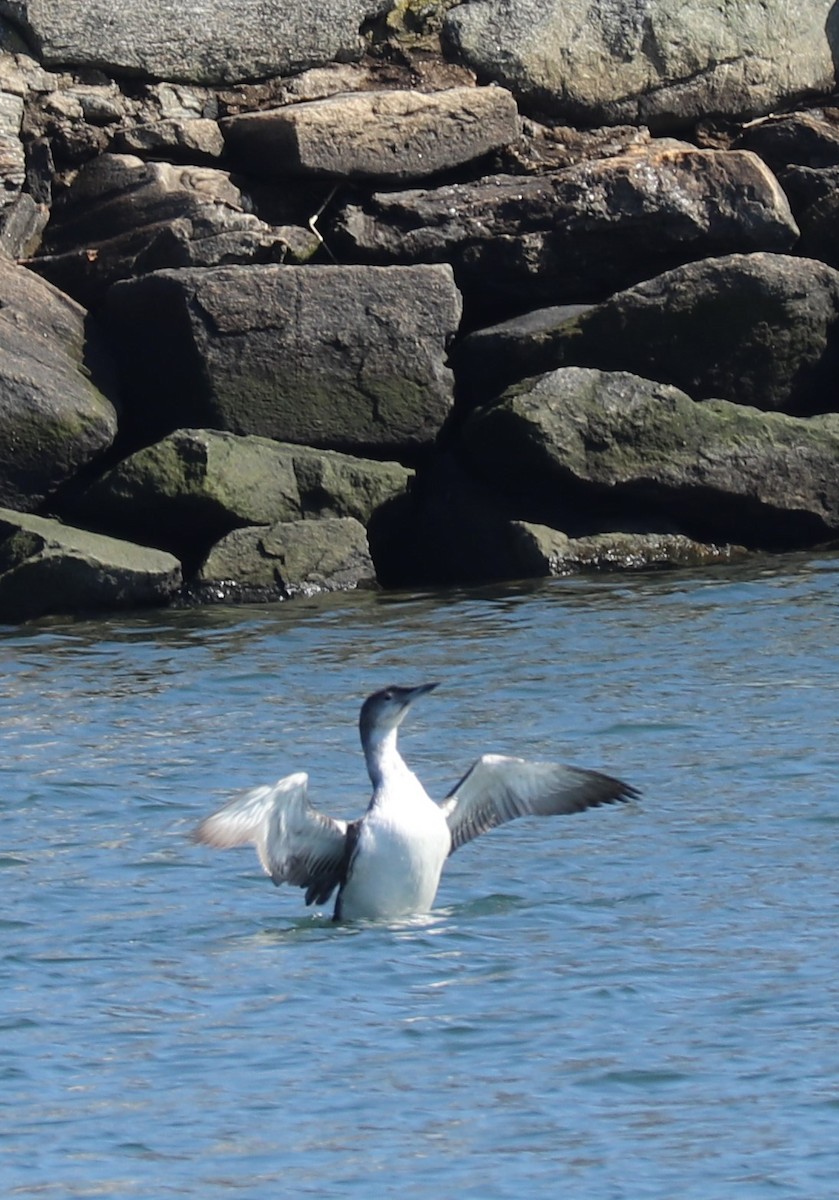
(296, 844)
(498, 789)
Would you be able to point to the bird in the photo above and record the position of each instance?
(386, 865)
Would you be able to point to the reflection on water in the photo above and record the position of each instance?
(633, 1003)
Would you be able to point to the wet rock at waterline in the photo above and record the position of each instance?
(757, 329)
(288, 559)
(196, 485)
(551, 552)
(619, 445)
(576, 234)
(345, 358)
(385, 136)
(47, 567)
(458, 528)
(53, 419)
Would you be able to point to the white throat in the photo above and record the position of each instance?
(404, 840)
(385, 765)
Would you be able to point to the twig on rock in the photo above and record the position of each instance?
(313, 223)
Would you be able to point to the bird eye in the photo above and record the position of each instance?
(388, 693)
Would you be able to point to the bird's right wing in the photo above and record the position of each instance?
(296, 844)
(498, 789)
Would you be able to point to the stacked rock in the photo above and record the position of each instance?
(410, 293)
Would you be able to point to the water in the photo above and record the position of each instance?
(632, 1003)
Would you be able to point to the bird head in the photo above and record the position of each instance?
(384, 711)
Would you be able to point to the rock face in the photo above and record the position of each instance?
(316, 244)
(801, 139)
(189, 490)
(581, 233)
(488, 360)
(820, 226)
(290, 558)
(387, 136)
(47, 567)
(346, 358)
(612, 443)
(53, 420)
(613, 61)
(70, 119)
(194, 139)
(124, 217)
(759, 329)
(803, 151)
(12, 157)
(216, 42)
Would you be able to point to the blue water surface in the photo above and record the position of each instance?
(634, 1003)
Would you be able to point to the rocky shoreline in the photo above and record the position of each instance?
(410, 294)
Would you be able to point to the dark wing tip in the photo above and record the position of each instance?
(319, 893)
(623, 793)
(605, 789)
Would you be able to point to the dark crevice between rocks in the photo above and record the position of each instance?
(21, 28)
(150, 412)
(453, 528)
(646, 506)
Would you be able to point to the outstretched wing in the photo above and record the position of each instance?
(296, 844)
(498, 789)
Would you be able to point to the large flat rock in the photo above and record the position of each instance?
(210, 41)
(47, 567)
(579, 233)
(390, 136)
(53, 419)
(609, 440)
(344, 358)
(651, 62)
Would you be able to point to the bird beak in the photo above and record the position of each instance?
(421, 691)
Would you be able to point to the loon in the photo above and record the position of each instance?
(387, 864)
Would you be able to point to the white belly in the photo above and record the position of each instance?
(397, 866)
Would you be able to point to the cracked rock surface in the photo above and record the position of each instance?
(646, 61)
(343, 358)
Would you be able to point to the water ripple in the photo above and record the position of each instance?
(628, 1005)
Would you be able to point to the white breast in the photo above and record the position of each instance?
(403, 843)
